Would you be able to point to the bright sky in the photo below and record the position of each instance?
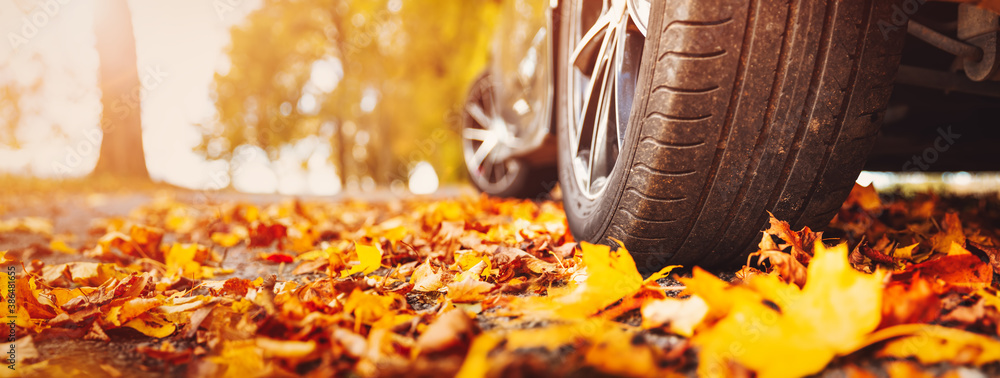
(180, 44)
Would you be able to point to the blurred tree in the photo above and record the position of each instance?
(12, 95)
(379, 78)
(122, 153)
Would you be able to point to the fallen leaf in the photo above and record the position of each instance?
(370, 259)
(679, 316)
(958, 269)
(450, 329)
(864, 197)
(468, 290)
(951, 233)
(912, 301)
(60, 246)
(151, 325)
(285, 348)
(277, 257)
(424, 278)
(932, 344)
(610, 276)
(831, 315)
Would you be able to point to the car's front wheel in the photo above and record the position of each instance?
(681, 122)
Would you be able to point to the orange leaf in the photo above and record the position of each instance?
(959, 269)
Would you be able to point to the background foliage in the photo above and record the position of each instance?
(399, 73)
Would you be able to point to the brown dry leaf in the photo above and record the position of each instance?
(784, 265)
(424, 278)
(800, 242)
(263, 235)
(93, 274)
(450, 329)
(468, 290)
(147, 240)
(991, 252)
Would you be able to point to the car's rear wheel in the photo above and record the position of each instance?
(489, 144)
(681, 122)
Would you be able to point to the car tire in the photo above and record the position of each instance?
(741, 107)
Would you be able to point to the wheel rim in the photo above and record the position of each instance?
(486, 138)
(606, 39)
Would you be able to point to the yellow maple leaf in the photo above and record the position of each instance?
(396, 234)
(477, 362)
(241, 359)
(831, 315)
(60, 246)
(367, 308)
(598, 338)
(152, 325)
(180, 260)
(466, 260)
(932, 344)
(369, 257)
(610, 276)
(226, 239)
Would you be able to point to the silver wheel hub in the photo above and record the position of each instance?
(606, 42)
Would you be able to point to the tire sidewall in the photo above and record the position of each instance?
(589, 218)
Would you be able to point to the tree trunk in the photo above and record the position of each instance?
(122, 153)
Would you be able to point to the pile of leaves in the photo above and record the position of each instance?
(481, 286)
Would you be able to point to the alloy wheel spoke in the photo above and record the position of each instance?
(484, 150)
(585, 49)
(627, 56)
(476, 134)
(598, 149)
(477, 113)
(594, 89)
